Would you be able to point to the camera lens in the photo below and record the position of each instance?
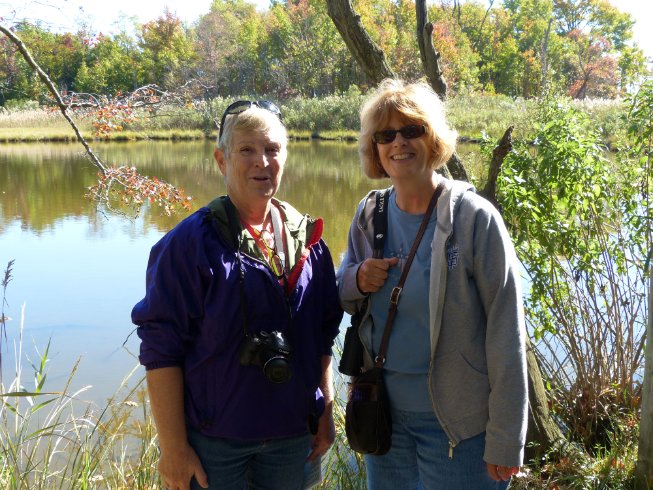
(277, 370)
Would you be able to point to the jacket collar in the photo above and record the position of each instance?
(448, 206)
(300, 231)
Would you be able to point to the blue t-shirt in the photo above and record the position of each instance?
(409, 349)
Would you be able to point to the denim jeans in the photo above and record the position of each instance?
(276, 464)
(419, 459)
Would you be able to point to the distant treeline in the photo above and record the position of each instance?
(522, 48)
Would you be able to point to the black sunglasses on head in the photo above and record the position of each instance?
(409, 132)
(242, 105)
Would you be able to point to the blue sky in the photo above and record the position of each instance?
(104, 16)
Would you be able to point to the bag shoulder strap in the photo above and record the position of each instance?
(380, 359)
(380, 221)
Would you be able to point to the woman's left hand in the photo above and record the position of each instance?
(326, 434)
(499, 473)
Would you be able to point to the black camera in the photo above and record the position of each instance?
(270, 351)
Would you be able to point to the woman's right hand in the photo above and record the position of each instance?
(372, 274)
(177, 467)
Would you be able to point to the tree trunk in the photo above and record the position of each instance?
(367, 53)
(544, 58)
(433, 70)
(543, 435)
(498, 155)
(430, 56)
(644, 467)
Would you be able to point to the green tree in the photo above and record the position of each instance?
(116, 59)
(228, 41)
(60, 55)
(16, 82)
(307, 54)
(168, 54)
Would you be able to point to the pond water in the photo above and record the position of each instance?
(78, 271)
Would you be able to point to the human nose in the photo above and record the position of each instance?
(399, 139)
(262, 160)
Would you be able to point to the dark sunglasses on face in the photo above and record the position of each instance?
(409, 132)
(242, 105)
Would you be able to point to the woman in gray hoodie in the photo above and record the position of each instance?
(456, 366)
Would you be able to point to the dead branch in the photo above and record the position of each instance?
(499, 153)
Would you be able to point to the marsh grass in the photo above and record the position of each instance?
(56, 440)
(329, 117)
(476, 114)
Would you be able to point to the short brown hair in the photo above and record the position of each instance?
(416, 102)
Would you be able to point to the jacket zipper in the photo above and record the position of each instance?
(452, 444)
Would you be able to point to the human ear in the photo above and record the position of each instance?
(219, 156)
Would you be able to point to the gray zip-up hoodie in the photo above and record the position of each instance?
(477, 374)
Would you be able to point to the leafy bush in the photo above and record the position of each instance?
(333, 112)
(581, 225)
(21, 105)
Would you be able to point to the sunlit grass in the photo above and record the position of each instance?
(333, 117)
(475, 114)
(57, 440)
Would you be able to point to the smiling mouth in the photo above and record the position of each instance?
(401, 156)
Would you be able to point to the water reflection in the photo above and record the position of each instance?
(41, 184)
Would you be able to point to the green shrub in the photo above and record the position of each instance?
(21, 105)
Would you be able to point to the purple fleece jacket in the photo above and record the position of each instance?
(192, 317)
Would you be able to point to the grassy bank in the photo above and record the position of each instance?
(330, 118)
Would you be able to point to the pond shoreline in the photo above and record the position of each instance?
(175, 135)
(166, 135)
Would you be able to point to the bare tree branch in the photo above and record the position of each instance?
(499, 153)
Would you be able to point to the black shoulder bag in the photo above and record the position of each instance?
(368, 423)
(351, 360)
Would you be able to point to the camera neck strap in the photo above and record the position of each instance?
(234, 229)
(277, 227)
(380, 358)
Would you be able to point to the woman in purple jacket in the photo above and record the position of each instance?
(237, 324)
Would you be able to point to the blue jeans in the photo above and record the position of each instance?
(419, 459)
(276, 464)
